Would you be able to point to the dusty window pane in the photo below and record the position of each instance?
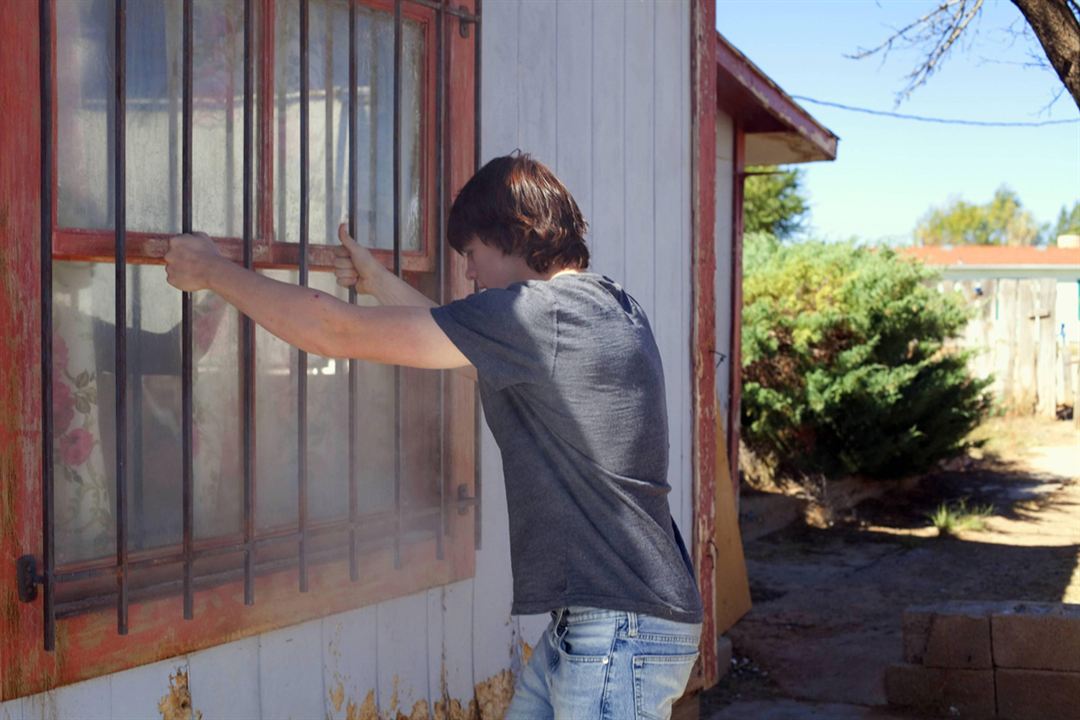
(86, 117)
(328, 428)
(84, 417)
(329, 124)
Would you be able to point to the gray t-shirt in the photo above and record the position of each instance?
(573, 390)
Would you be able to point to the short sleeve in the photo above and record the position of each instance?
(509, 335)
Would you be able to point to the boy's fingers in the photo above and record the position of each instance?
(343, 262)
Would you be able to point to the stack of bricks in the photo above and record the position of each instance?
(1014, 661)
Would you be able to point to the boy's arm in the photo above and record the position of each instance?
(311, 319)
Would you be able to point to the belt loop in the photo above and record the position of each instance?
(631, 624)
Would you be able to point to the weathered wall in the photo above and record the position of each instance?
(600, 92)
(725, 185)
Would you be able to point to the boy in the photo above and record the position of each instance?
(573, 390)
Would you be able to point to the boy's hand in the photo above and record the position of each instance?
(354, 265)
(191, 261)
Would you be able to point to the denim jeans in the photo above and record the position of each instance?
(592, 664)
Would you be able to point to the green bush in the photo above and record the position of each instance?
(845, 369)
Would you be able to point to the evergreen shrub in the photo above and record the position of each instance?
(845, 364)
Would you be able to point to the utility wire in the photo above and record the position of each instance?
(943, 121)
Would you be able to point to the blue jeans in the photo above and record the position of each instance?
(593, 664)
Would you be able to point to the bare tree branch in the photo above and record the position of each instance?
(940, 28)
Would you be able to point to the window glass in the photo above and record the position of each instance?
(329, 123)
(84, 417)
(86, 116)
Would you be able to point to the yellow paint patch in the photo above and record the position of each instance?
(367, 711)
(452, 710)
(176, 703)
(494, 694)
(337, 696)
(526, 653)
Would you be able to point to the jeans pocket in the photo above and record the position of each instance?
(659, 680)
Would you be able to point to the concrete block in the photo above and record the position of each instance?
(1037, 636)
(951, 692)
(948, 636)
(1038, 695)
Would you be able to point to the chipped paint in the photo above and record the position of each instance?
(175, 704)
(337, 696)
(493, 695)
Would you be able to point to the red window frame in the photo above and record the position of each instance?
(87, 644)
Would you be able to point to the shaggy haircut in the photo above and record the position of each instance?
(516, 204)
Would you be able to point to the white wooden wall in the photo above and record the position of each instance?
(725, 187)
(600, 91)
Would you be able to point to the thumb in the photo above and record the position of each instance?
(346, 240)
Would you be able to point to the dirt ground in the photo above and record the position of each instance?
(828, 601)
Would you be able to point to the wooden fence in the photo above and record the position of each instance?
(1023, 338)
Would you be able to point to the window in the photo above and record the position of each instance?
(295, 472)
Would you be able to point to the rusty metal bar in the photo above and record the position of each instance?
(48, 524)
(186, 318)
(459, 13)
(398, 445)
(247, 327)
(354, 368)
(120, 308)
(301, 370)
(440, 254)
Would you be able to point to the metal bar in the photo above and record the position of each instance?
(48, 526)
(186, 318)
(120, 308)
(301, 370)
(478, 428)
(247, 327)
(397, 271)
(440, 255)
(459, 13)
(354, 368)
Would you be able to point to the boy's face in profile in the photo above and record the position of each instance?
(490, 267)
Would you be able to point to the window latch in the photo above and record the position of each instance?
(28, 578)
(464, 500)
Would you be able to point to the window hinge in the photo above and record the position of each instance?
(464, 20)
(28, 578)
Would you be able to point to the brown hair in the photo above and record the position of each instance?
(517, 204)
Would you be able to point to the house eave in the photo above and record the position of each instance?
(778, 130)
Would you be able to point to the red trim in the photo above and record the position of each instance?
(782, 112)
(703, 161)
(20, 361)
(734, 422)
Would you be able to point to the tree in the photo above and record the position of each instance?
(1055, 23)
(1002, 221)
(774, 202)
(846, 366)
(1068, 223)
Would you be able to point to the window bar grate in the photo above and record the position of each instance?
(120, 307)
(301, 360)
(354, 369)
(397, 271)
(247, 327)
(478, 427)
(440, 255)
(186, 316)
(48, 556)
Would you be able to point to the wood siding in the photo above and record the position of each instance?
(600, 91)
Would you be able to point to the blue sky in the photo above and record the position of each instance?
(888, 171)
